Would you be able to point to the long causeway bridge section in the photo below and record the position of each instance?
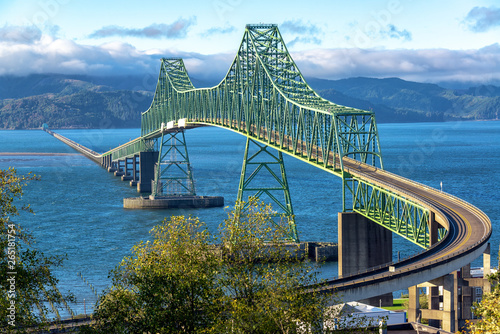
(265, 98)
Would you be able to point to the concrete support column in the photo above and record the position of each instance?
(466, 306)
(120, 168)
(413, 304)
(110, 164)
(135, 168)
(363, 244)
(134, 177)
(433, 292)
(448, 321)
(433, 229)
(486, 269)
(147, 162)
(127, 169)
(433, 300)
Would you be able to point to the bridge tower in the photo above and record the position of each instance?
(173, 172)
(263, 176)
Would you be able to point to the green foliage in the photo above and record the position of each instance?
(262, 274)
(423, 300)
(180, 282)
(26, 281)
(168, 285)
(487, 310)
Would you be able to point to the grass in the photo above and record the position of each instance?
(398, 305)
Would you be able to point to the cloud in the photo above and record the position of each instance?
(219, 31)
(20, 34)
(374, 32)
(425, 65)
(21, 55)
(481, 19)
(304, 40)
(392, 32)
(178, 29)
(308, 33)
(53, 55)
(57, 55)
(300, 28)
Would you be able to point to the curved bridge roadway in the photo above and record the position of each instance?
(469, 230)
(265, 98)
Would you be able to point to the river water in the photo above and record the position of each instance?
(79, 206)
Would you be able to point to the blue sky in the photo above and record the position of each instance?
(425, 40)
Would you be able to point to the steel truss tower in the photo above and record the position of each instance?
(173, 173)
(263, 176)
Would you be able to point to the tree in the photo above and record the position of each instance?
(26, 281)
(168, 285)
(263, 274)
(181, 282)
(487, 310)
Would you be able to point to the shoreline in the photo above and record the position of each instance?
(138, 126)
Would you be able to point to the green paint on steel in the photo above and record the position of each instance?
(173, 173)
(265, 98)
(394, 212)
(263, 176)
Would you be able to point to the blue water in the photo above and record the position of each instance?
(79, 206)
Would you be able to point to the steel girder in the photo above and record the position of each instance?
(131, 148)
(265, 98)
(406, 218)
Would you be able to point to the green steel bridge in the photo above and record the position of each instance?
(265, 98)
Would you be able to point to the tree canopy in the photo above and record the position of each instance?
(245, 279)
(488, 310)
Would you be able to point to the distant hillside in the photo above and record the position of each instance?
(411, 101)
(71, 102)
(75, 101)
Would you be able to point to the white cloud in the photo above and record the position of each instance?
(55, 55)
(18, 34)
(481, 19)
(431, 65)
(177, 29)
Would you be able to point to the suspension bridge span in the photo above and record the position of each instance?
(265, 98)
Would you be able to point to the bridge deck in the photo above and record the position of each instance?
(468, 232)
(468, 227)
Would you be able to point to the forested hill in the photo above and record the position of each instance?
(396, 100)
(64, 101)
(71, 102)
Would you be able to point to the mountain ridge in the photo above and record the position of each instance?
(79, 101)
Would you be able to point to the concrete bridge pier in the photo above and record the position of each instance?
(146, 173)
(135, 170)
(138, 169)
(128, 169)
(120, 168)
(363, 244)
(108, 163)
